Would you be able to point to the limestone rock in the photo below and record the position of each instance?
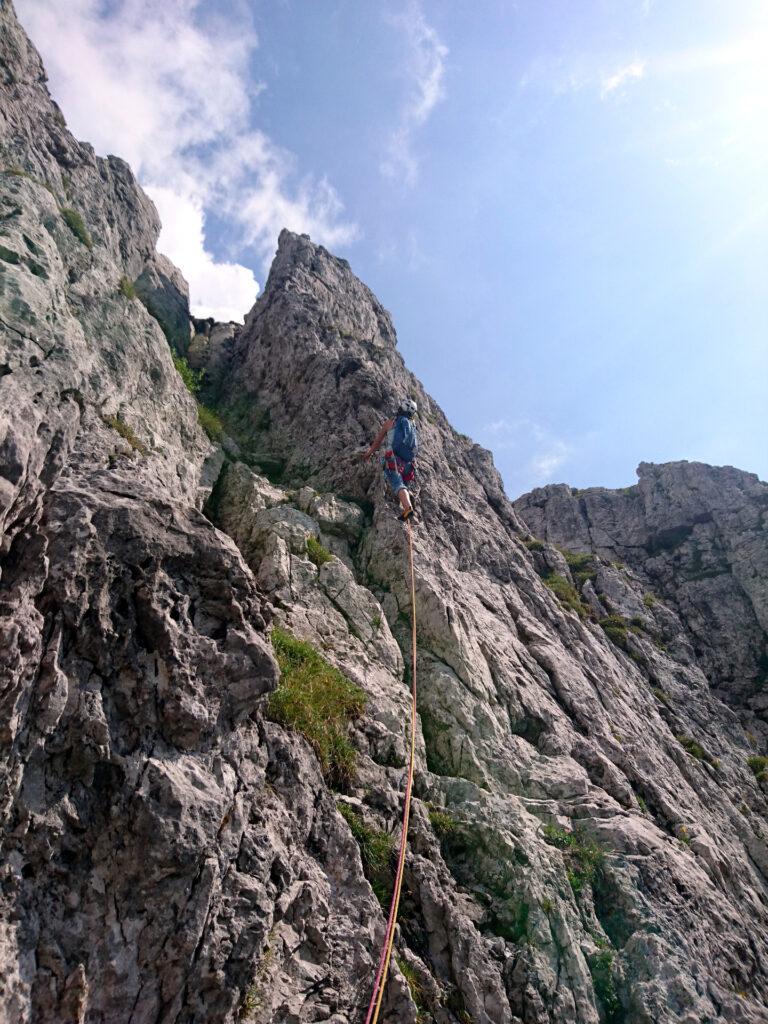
(694, 537)
(165, 293)
(588, 840)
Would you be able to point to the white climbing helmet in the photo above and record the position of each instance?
(408, 406)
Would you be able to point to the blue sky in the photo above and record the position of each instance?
(564, 206)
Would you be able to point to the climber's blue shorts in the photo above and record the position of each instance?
(397, 473)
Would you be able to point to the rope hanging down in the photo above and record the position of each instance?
(386, 952)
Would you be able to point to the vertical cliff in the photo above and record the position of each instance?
(179, 842)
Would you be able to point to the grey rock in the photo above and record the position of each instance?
(518, 696)
(165, 293)
(693, 536)
(587, 838)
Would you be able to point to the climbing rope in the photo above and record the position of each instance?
(386, 951)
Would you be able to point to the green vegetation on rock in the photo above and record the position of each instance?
(126, 433)
(413, 982)
(76, 225)
(533, 544)
(617, 629)
(317, 553)
(127, 287)
(584, 857)
(315, 699)
(567, 594)
(376, 852)
(442, 822)
(695, 749)
(210, 423)
(582, 565)
(759, 767)
(192, 378)
(514, 926)
(601, 968)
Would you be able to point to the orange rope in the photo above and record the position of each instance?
(386, 953)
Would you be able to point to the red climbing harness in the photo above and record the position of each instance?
(395, 464)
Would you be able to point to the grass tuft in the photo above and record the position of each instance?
(759, 767)
(533, 544)
(127, 287)
(76, 225)
(582, 566)
(567, 594)
(412, 980)
(377, 849)
(695, 749)
(315, 699)
(601, 969)
(317, 553)
(192, 378)
(126, 433)
(584, 857)
(616, 628)
(210, 423)
(442, 822)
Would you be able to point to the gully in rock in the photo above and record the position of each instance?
(399, 460)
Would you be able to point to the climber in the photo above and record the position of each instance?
(400, 454)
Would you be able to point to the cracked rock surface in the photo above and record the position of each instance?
(588, 840)
(695, 536)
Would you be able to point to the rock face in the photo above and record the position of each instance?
(588, 840)
(696, 536)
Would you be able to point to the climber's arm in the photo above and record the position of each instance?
(379, 438)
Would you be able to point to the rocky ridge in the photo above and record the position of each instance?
(696, 536)
(589, 842)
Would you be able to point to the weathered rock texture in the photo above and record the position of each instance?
(697, 536)
(588, 841)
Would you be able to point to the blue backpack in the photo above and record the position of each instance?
(405, 441)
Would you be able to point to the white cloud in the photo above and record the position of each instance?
(221, 290)
(172, 92)
(425, 63)
(633, 71)
(539, 453)
(585, 71)
(262, 203)
(545, 463)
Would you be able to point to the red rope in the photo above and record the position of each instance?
(386, 951)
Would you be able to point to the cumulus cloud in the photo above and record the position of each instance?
(538, 453)
(425, 64)
(170, 89)
(221, 290)
(610, 83)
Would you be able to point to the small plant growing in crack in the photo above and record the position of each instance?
(315, 699)
(317, 552)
